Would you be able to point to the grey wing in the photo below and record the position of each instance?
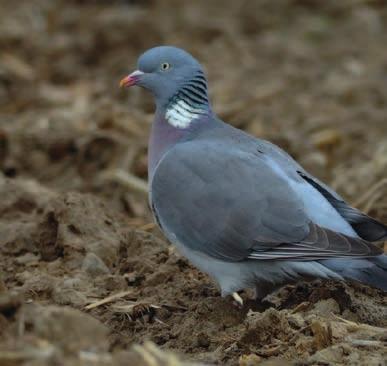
(231, 205)
(365, 226)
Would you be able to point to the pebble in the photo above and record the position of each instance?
(94, 265)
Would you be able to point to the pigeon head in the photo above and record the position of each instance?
(176, 80)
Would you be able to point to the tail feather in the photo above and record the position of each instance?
(370, 271)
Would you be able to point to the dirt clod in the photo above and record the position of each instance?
(68, 329)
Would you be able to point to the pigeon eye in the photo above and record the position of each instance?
(165, 66)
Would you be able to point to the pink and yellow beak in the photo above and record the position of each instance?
(131, 79)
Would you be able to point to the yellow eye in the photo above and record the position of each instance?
(165, 66)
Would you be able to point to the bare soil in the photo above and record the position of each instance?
(85, 277)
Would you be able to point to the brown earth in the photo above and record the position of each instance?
(84, 277)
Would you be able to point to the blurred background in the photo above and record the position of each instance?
(309, 75)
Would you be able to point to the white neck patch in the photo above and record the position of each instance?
(181, 114)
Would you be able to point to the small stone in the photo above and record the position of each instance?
(249, 360)
(94, 266)
(326, 308)
(68, 296)
(27, 258)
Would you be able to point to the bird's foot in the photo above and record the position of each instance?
(238, 299)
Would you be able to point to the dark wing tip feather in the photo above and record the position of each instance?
(370, 229)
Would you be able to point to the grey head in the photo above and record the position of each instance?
(176, 80)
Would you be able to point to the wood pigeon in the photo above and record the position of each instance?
(240, 208)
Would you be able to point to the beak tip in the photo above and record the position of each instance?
(124, 82)
(131, 79)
